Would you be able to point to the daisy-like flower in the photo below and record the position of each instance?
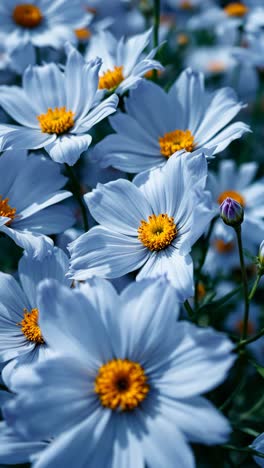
(237, 183)
(43, 22)
(125, 382)
(30, 190)
(157, 124)
(21, 337)
(124, 63)
(150, 225)
(65, 107)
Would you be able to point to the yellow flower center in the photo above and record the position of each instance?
(186, 5)
(6, 210)
(175, 141)
(223, 247)
(216, 66)
(121, 385)
(236, 9)
(182, 39)
(30, 328)
(27, 15)
(57, 120)
(158, 232)
(111, 78)
(83, 33)
(231, 194)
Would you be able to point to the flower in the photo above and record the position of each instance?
(258, 444)
(231, 212)
(124, 63)
(237, 183)
(30, 190)
(125, 380)
(21, 337)
(43, 22)
(157, 124)
(149, 224)
(64, 109)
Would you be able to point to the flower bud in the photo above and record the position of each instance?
(261, 254)
(231, 212)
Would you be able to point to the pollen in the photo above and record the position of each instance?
(236, 9)
(57, 120)
(175, 141)
(83, 34)
(216, 66)
(6, 210)
(27, 15)
(30, 328)
(231, 194)
(121, 385)
(223, 247)
(158, 232)
(111, 79)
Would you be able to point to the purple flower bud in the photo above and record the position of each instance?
(231, 212)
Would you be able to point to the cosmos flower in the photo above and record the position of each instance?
(43, 22)
(258, 444)
(150, 224)
(237, 183)
(124, 63)
(157, 124)
(125, 382)
(21, 338)
(65, 107)
(30, 190)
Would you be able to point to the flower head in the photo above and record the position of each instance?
(42, 22)
(29, 203)
(157, 124)
(124, 367)
(150, 224)
(124, 63)
(231, 212)
(66, 107)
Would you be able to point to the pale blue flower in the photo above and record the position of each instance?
(160, 368)
(258, 444)
(64, 109)
(150, 224)
(20, 337)
(43, 22)
(30, 190)
(124, 63)
(157, 124)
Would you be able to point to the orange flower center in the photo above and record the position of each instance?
(30, 328)
(236, 9)
(57, 120)
(83, 33)
(186, 5)
(27, 15)
(223, 247)
(111, 79)
(175, 141)
(158, 232)
(216, 66)
(121, 385)
(6, 210)
(231, 194)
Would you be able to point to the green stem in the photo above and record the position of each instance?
(244, 281)
(189, 309)
(243, 343)
(76, 189)
(255, 287)
(156, 23)
(243, 449)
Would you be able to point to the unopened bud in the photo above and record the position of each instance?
(231, 212)
(261, 254)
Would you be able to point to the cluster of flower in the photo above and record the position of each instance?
(120, 239)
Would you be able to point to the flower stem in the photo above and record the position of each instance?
(76, 190)
(244, 281)
(243, 449)
(243, 343)
(254, 288)
(156, 23)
